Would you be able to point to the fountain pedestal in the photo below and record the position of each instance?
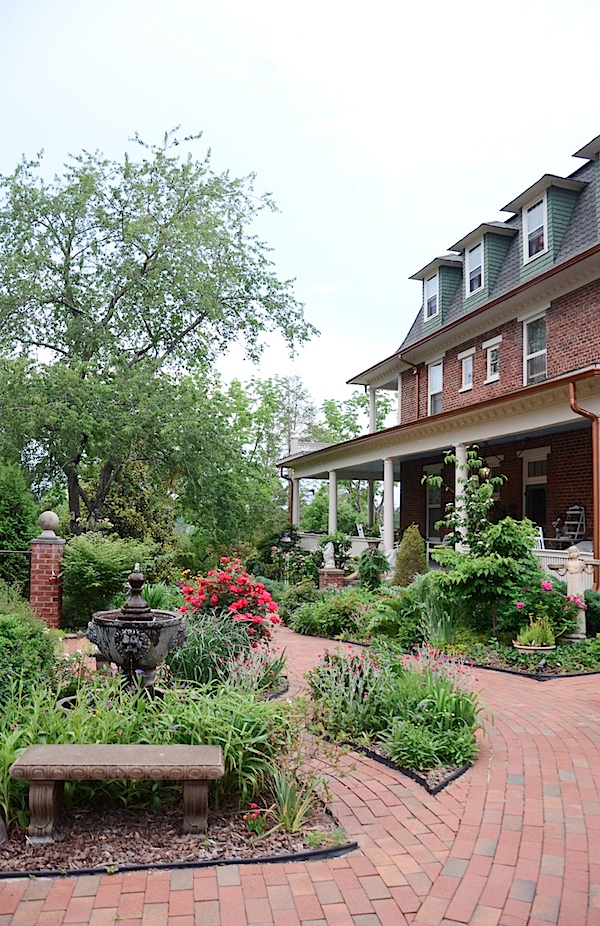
(136, 638)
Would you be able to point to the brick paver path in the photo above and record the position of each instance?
(515, 841)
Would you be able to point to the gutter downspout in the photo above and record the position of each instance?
(291, 501)
(595, 473)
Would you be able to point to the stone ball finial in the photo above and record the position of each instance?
(48, 521)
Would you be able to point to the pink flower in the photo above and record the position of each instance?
(547, 586)
(520, 605)
(214, 599)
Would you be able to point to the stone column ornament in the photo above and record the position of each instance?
(45, 587)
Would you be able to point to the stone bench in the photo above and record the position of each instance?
(47, 767)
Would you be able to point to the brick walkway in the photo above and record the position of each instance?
(509, 843)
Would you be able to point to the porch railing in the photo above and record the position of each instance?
(556, 557)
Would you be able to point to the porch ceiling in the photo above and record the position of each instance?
(535, 412)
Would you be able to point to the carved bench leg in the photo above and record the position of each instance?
(195, 806)
(45, 799)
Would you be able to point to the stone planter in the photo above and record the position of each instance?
(533, 649)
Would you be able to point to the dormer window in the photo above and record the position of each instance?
(474, 274)
(431, 296)
(535, 234)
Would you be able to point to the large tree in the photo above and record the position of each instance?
(115, 278)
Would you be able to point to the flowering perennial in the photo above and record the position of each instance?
(232, 590)
(548, 605)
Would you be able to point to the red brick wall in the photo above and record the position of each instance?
(573, 342)
(573, 330)
(569, 479)
(412, 498)
(45, 585)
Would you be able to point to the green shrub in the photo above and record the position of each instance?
(27, 647)
(18, 525)
(400, 614)
(544, 601)
(336, 613)
(372, 565)
(293, 596)
(162, 597)
(592, 600)
(95, 570)
(411, 559)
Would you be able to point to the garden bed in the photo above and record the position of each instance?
(114, 837)
(433, 780)
(568, 660)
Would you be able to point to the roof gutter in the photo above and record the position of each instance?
(585, 413)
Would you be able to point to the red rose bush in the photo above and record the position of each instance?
(231, 590)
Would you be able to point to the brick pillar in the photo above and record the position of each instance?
(331, 578)
(44, 584)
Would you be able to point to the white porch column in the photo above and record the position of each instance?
(372, 411)
(388, 504)
(296, 502)
(370, 503)
(399, 398)
(332, 526)
(460, 474)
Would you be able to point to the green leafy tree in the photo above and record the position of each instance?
(315, 516)
(342, 420)
(18, 524)
(124, 274)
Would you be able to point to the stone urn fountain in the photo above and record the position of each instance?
(137, 638)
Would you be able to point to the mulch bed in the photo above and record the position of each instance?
(111, 837)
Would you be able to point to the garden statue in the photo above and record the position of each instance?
(574, 569)
(391, 558)
(329, 555)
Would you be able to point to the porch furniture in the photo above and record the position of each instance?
(575, 522)
(47, 767)
(360, 530)
(540, 543)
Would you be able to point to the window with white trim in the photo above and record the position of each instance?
(493, 363)
(436, 382)
(534, 339)
(466, 359)
(467, 372)
(535, 229)
(431, 296)
(474, 274)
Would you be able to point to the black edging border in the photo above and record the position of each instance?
(537, 677)
(306, 856)
(410, 773)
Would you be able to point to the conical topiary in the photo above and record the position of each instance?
(411, 560)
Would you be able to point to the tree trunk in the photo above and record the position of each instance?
(74, 502)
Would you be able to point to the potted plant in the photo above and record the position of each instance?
(537, 636)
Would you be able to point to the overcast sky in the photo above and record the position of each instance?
(384, 130)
